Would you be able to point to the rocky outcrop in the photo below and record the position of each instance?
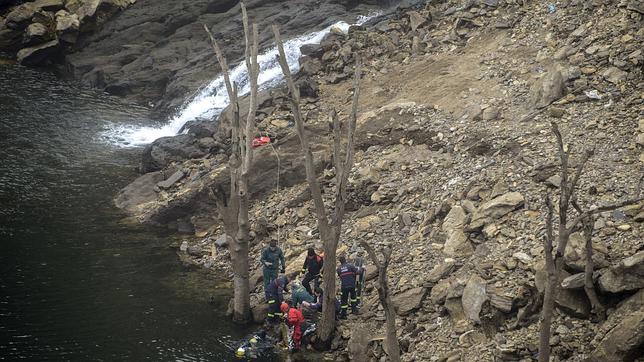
(627, 275)
(621, 338)
(39, 31)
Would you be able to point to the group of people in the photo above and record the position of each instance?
(306, 295)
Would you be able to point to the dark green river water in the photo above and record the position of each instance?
(74, 284)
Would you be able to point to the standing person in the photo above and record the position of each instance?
(312, 269)
(359, 262)
(294, 319)
(272, 258)
(347, 273)
(275, 292)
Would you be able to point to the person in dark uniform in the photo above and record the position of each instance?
(347, 273)
(275, 292)
(312, 269)
(272, 258)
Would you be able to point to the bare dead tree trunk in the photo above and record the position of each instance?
(233, 211)
(555, 264)
(329, 230)
(589, 286)
(392, 347)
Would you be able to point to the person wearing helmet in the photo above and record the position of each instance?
(294, 319)
(272, 258)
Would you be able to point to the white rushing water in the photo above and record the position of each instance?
(213, 98)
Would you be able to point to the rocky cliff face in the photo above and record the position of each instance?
(157, 51)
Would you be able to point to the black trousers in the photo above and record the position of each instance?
(344, 300)
(306, 282)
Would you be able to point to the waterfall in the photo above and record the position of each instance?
(213, 98)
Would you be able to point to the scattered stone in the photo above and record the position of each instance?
(615, 75)
(166, 184)
(575, 281)
(495, 208)
(547, 89)
(409, 301)
(416, 20)
(442, 270)
(457, 243)
(222, 241)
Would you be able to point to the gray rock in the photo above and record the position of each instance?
(622, 335)
(408, 301)
(572, 302)
(575, 253)
(441, 270)
(38, 54)
(312, 50)
(439, 291)
(547, 89)
(575, 281)
(222, 241)
(10, 40)
(166, 184)
(626, 275)
(20, 16)
(615, 75)
(416, 20)
(474, 296)
(496, 208)
(457, 243)
(49, 5)
(499, 300)
(164, 150)
(36, 33)
(490, 113)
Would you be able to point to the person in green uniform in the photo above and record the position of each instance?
(272, 258)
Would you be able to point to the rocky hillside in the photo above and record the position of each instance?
(454, 158)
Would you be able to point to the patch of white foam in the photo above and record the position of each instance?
(212, 98)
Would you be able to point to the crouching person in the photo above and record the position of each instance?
(294, 320)
(275, 294)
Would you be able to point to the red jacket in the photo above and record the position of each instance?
(294, 317)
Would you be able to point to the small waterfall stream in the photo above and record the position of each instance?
(212, 98)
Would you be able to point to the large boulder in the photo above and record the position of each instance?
(571, 301)
(20, 16)
(621, 337)
(548, 89)
(474, 295)
(39, 54)
(457, 243)
(37, 33)
(10, 39)
(67, 26)
(625, 276)
(140, 192)
(496, 208)
(165, 150)
(409, 300)
(575, 253)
